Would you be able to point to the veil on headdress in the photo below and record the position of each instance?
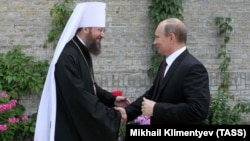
(87, 14)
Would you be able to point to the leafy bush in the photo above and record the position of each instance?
(221, 112)
(20, 74)
(14, 125)
(60, 14)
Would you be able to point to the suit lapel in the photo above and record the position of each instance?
(169, 74)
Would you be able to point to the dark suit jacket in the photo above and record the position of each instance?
(182, 98)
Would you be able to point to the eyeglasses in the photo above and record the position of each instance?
(101, 29)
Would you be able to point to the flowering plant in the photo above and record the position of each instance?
(13, 123)
(142, 120)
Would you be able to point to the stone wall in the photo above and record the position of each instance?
(127, 48)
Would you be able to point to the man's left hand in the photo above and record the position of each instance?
(147, 107)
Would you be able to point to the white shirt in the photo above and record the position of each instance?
(170, 59)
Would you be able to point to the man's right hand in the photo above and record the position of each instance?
(123, 114)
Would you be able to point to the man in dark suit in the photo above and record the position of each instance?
(180, 93)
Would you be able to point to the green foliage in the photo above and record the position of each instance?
(60, 14)
(158, 11)
(20, 74)
(28, 130)
(14, 125)
(122, 132)
(221, 112)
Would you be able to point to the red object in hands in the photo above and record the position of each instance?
(117, 92)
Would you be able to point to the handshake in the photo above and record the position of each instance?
(121, 102)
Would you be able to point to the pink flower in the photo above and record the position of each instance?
(3, 127)
(117, 92)
(13, 102)
(4, 94)
(25, 118)
(13, 120)
(4, 107)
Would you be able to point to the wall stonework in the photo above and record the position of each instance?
(126, 48)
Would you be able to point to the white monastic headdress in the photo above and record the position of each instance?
(87, 14)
